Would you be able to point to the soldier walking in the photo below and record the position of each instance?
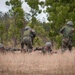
(67, 32)
(27, 39)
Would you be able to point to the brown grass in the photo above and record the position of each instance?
(37, 64)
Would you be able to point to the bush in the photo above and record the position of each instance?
(38, 41)
(58, 41)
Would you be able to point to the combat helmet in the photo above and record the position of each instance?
(70, 23)
(48, 44)
(27, 27)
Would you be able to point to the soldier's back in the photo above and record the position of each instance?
(67, 31)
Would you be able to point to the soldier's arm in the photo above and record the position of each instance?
(73, 29)
(34, 33)
(61, 30)
(38, 49)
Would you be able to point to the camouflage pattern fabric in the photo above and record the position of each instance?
(67, 37)
(67, 31)
(44, 49)
(67, 43)
(33, 35)
(27, 41)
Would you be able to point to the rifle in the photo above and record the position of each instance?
(40, 49)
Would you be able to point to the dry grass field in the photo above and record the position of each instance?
(36, 63)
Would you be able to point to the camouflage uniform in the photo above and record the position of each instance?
(29, 35)
(45, 49)
(67, 36)
(27, 40)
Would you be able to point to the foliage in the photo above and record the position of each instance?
(59, 12)
(34, 5)
(17, 22)
(17, 12)
(38, 41)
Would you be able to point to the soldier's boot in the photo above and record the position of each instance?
(70, 48)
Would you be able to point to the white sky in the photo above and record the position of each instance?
(42, 17)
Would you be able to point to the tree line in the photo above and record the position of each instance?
(13, 22)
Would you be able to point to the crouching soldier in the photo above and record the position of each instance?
(27, 40)
(67, 32)
(2, 48)
(45, 49)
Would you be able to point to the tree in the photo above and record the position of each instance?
(59, 12)
(18, 21)
(34, 5)
(2, 27)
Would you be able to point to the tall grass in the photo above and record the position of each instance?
(36, 63)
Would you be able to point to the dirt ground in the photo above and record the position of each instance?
(36, 63)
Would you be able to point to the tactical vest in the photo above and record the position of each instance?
(27, 33)
(67, 32)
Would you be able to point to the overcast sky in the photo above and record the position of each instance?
(4, 8)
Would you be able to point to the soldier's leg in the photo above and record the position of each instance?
(22, 45)
(29, 46)
(70, 44)
(64, 45)
(32, 40)
(70, 48)
(24, 42)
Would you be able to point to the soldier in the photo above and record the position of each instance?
(2, 48)
(27, 39)
(48, 47)
(45, 49)
(67, 32)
